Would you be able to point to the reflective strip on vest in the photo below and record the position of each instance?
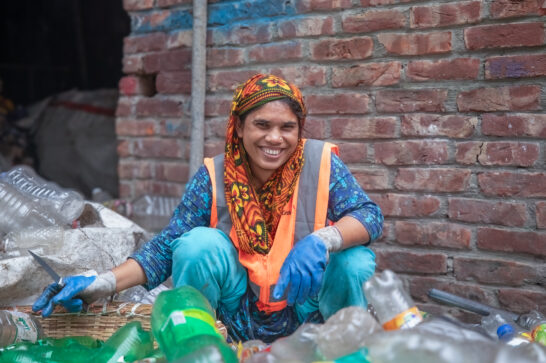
(306, 212)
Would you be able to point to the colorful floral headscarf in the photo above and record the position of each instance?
(255, 214)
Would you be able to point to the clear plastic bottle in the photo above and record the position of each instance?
(184, 324)
(44, 240)
(17, 211)
(393, 306)
(507, 334)
(17, 327)
(491, 323)
(67, 204)
(153, 212)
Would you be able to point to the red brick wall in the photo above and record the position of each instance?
(437, 107)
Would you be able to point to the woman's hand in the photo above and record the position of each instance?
(302, 270)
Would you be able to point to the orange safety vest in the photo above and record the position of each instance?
(303, 214)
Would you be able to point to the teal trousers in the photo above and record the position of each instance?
(206, 259)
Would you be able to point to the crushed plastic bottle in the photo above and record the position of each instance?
(16, 326)
(44, 241)
(66, 205)
(184, 325)
(153, 212)
(393, 306)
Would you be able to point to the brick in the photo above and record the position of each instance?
(416, 43)
(174, 82)
(172, 171)
(175, 60)
(158, 107)
(512, 214)
(180, 38)
(137, 85)
(494, 239)
(151, 63)
(336, 49)
(132, 169)
(302, 76)
(540, 212)
(410, 262)
(133, 5)
(433, 180)
(344, 103)
(157, 148)
(315, 128)
(445, 69)
(432, 234)
(157, 188)
(275, 52)
(214, 148)
(420, 285)
(371, 21)
(372, 179)
(144, 43)
(175, 128)
(125, 127)
(456, 13)
(504, 36)
(311, 5)
(364, 127)
(370, 74)
(522, 301)
(306, 27)
(513, 184)
(165, 3)
(452, 126)
(224, 57)
(507, 98)
(227, 80)
(124, 107)
(495, 271)
(520, 125)
(355, 153)
(125, 190)
(411, 152)
(424, 100)
(524, 66)
(510, 8)
(132, 64)
(240, 35)
(497, 153)
(401, 205)
(367, 3)
(217, 106)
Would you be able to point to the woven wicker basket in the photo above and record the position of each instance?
(99, 321)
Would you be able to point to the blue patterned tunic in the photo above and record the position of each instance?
(346, 199)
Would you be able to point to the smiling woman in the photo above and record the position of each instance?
(273, 231)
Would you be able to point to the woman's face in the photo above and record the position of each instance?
(270, 136)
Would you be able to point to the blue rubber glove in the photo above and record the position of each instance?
(66, 296)
(302, 271)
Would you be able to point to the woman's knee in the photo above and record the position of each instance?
(355, 262)
(199, 242)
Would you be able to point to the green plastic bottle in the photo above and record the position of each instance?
(184, 325)
(129, 343)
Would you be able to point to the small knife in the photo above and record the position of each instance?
(55, 276)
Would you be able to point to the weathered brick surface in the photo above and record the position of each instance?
(437, 107)
(456, 13)
(494, 239)
(504, 36)
(488, 212)
(424, 124)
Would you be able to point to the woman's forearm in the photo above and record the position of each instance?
(352, 232)
(128, 274)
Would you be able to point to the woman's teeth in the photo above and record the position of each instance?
(271, 151)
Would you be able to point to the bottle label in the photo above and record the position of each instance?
(404, 320)
(27, 331)
(190, 322)
(539, 334)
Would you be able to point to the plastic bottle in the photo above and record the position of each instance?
(536, 323)
(393, 306)
(17, 211)
(128, 344)
(17, 327)
(153, 212)
(507, 334)
(184, 324)
(67, 204)
(491, 323)
(45, 241)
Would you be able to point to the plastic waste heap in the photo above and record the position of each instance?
(184, 325)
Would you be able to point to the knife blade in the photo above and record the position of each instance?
(55, 276)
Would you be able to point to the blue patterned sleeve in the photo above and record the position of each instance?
(194, 210)
(348, 199)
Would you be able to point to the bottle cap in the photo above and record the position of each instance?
(505, 329)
